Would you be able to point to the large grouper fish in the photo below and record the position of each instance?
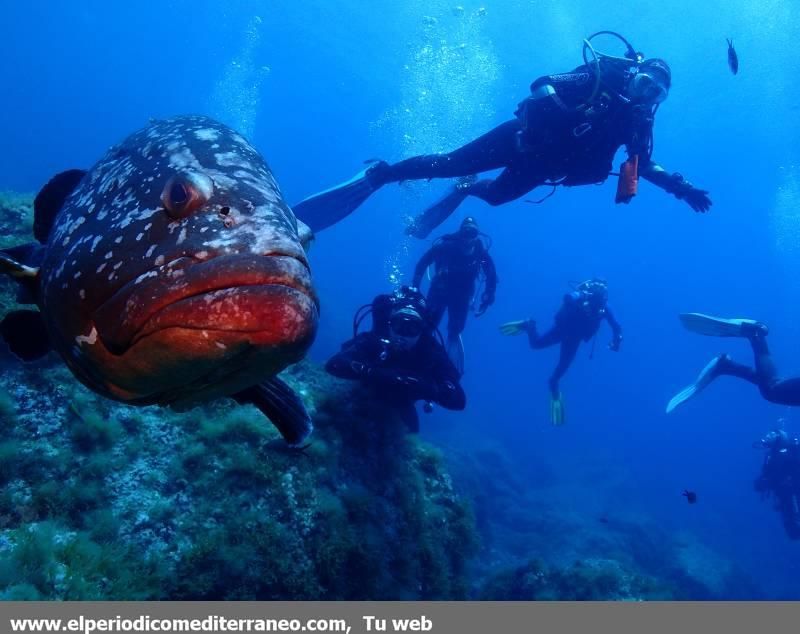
(171, 273)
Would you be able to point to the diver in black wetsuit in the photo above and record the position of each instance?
(577, 320)
(764, 375)
(401, 356)
(567, 132)
(780, 477)
(459, 258)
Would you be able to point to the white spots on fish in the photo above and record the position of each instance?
(238, 138)
(222, 180)
(139, 236)
(183, 160)
(182, 235)
(95, 243)
(207, 134)
(231, 159)
(117, 265)
(144, 276)
(82, 294)
(159, 260)
(91, 338)
(220, 345)
(76, 276)
(112, 276)
(201, 255)
(109, 255)
(59, 271)
(150, 250)
(118, 239)
(101, 267)
(147, 226)
(90, 209)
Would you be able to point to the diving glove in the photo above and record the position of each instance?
(557, 409)
(697, 199)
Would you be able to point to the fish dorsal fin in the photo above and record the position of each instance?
(25, 333)
(50, 199)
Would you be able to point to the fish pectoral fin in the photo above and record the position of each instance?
(25, 334)
(16, 262)
(281, 404)
(50, 199)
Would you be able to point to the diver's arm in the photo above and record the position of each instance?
(444, 383)
(424, 262)
(616, 329)
(351, 361)
(676, 185)
(412, 385)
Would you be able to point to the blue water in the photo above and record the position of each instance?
(319, 87)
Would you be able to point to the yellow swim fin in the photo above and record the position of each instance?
(557, 409)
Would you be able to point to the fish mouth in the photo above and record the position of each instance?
(268, 298)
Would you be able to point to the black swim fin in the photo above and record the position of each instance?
(282, 406)
(440, 211)
(326, 208)
(25, 333)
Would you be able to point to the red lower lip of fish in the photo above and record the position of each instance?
(205, 294)
(266, 315)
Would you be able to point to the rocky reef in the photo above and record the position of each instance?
(103, 501)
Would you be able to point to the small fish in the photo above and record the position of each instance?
(733, 58)
(691, 496)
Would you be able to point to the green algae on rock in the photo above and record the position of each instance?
(103, 501)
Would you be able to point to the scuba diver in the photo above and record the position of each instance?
(764, 375)
(401, 357)
(459, 258)
(566, 132)
(577, 320)
(780, 477)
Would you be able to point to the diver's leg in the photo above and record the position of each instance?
(772, 388)
(512, 183)
(457, 308)
(569, 348)
(495, 149)
(437, 301)
(550, 338)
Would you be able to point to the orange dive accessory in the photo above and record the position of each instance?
(628, 182)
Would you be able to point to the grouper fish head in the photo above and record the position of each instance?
(175, 272)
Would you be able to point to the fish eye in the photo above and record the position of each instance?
(186, 193)
(225, 211)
